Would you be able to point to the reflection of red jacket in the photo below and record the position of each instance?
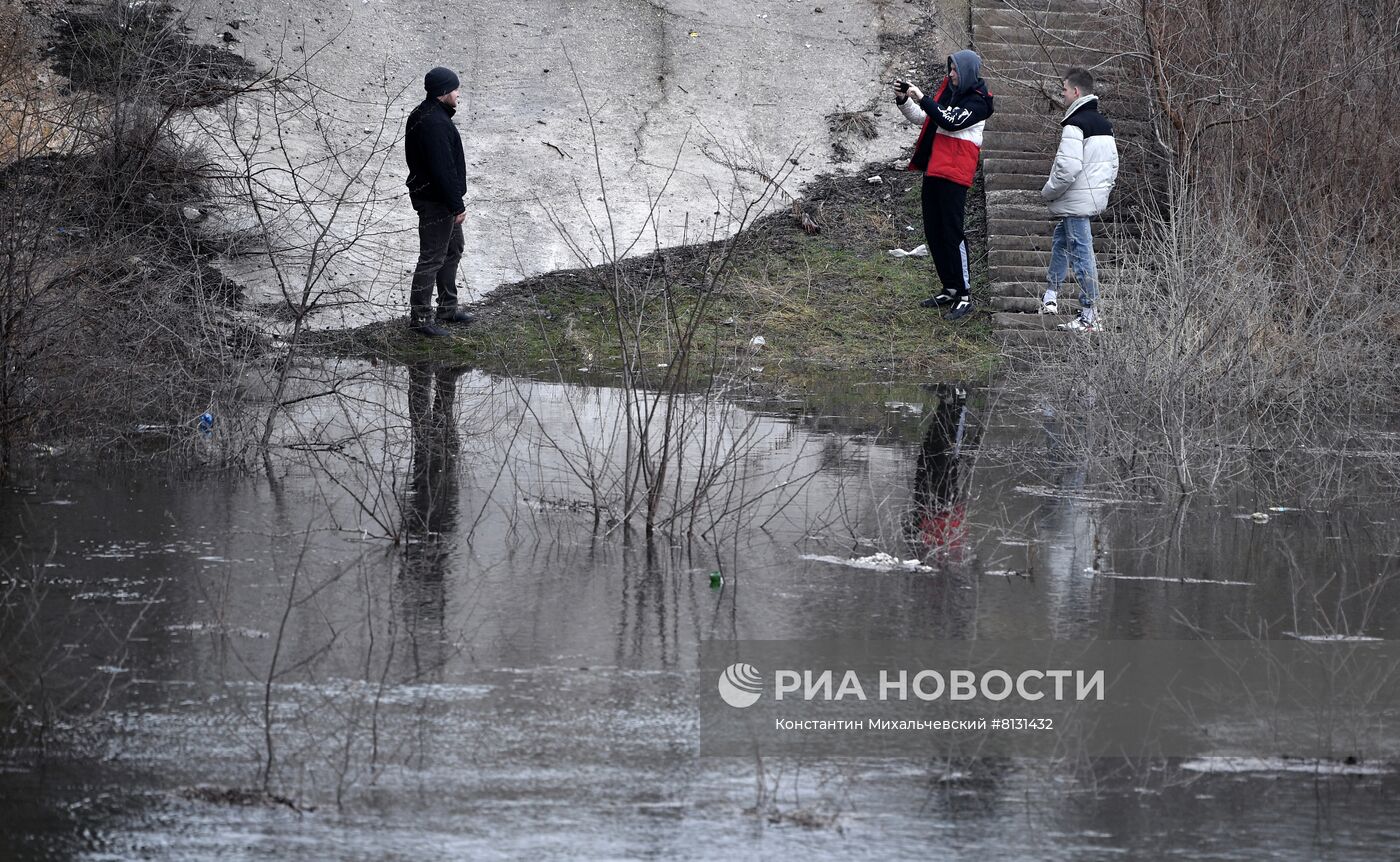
(950, 140)
(943, 528)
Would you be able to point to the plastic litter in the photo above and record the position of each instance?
(206, 422)
(716, 580)
(875, 180)
(917, 251)
(758, 341)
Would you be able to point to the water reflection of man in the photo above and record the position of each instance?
(937, 520)
(430, 499)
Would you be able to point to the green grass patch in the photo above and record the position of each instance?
(833, 302)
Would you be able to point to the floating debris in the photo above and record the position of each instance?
(1117, 577)
(1282, 764)
(1334, 638)
(1076, 496)
(216, 628)
(879, 562)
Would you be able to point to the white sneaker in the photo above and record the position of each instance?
(1049, 308)
(1079, 324)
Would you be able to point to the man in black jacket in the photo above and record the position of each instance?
(437, 182)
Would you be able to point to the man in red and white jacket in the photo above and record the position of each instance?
(950, 142)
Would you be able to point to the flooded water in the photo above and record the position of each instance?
(414, 629)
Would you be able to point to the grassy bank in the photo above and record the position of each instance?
(834, 302)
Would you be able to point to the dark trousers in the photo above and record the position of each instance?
(440, 246)
(943, 203)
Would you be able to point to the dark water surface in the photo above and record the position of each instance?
(413, 623)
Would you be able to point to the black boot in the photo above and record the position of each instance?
(422, 324)
(454, 314)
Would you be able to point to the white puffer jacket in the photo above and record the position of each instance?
(1086, 165)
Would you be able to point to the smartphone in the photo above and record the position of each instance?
(902, 86)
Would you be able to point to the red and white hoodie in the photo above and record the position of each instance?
(950, 140)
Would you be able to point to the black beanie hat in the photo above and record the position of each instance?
(440, 81)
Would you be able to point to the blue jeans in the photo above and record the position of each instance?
(1073, 244)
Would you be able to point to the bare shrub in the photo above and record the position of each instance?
(111, 317)
(1225, 362)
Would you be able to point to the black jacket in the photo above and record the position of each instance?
(437, 170)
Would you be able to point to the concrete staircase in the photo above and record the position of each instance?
(1025, 46)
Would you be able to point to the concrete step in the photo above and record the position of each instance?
(1041, 90)
(1032, 165)
(999, 55)
(1032, 338)
(1016, 100)
(1106, 247)
(1000, 16)
(1040, 124)
(1081, 7)
(1026, 106)
(1010, 274)
(1006, 182)
(1017, 257)
(1035, 169)
(1007, 142)
(1019, 243)
(1055, 35)
(1013, 198)
(1030, 212)
(1024, 101)
(1021, 146)
(1014, 320)
(1030, 304)
(1019, 227)
(997, 147)
(1020, 289)
(1108, 239)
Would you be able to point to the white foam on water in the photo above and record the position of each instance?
(879, 562)
(1235, 765)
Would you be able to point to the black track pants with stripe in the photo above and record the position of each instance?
(943, 204)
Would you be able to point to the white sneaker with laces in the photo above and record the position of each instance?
(1079, 324)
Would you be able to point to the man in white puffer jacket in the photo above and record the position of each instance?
(1086, 166)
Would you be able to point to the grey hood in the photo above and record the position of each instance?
(969, 67)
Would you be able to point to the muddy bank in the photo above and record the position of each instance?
(832, 301)
(690, 85)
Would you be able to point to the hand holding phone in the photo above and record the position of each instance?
(901, 86)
